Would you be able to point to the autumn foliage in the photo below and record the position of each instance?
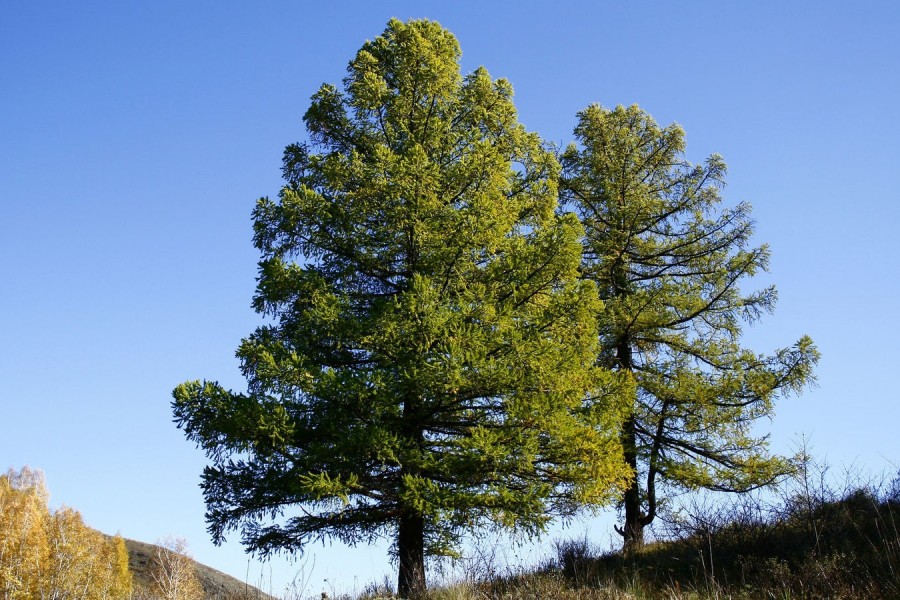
(51, 553)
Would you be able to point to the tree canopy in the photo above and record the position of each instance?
(427, 362)
(668, 260)
(51, 553)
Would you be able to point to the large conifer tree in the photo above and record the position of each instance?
(429, 345)
(668, 259)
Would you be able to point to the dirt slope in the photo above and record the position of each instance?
(217, 585)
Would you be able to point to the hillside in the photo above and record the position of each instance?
(216, 585)
(815, 544)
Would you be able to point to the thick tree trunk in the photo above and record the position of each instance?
(411, 528)
(411, 552)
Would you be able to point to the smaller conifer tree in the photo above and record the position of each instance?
(667, 260)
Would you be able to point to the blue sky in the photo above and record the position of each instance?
(136, 136)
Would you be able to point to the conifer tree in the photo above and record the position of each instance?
(668, 259)
(428, 346)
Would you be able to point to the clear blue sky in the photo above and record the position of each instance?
(136, 136)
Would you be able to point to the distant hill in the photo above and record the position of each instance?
(216, 585)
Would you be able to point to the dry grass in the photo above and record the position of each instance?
(807, 541)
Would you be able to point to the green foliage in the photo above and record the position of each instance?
(667, 260)
(429, 345)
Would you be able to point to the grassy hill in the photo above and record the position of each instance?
(216, 585)
(818, 544)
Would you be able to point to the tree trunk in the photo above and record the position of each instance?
(633, 529)
(411, 552)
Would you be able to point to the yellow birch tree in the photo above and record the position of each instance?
(53, 555)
